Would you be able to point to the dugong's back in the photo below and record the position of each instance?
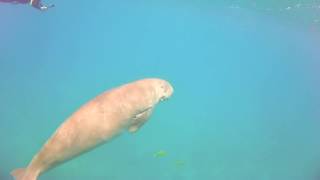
(96, 122)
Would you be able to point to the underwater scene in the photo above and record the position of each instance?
(194, 90)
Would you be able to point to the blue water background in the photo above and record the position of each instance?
(246, 102)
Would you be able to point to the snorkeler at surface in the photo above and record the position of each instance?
(37, 4)
(34, 3)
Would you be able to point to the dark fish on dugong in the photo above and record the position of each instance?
(126, 107)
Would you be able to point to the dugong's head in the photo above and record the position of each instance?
(163, 89)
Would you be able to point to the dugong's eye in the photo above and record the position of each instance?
(163, 88)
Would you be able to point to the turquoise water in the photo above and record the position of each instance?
(246, 78)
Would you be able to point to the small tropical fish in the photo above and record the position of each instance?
(180, 163)
(160, 154)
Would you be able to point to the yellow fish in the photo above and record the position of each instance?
(160, 154)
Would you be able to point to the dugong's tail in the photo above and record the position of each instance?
(21, 174)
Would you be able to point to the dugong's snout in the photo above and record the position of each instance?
(166, 90)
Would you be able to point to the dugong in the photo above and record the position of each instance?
(126, 107)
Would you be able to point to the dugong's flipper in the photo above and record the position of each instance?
(139, 120)
(21, 174)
